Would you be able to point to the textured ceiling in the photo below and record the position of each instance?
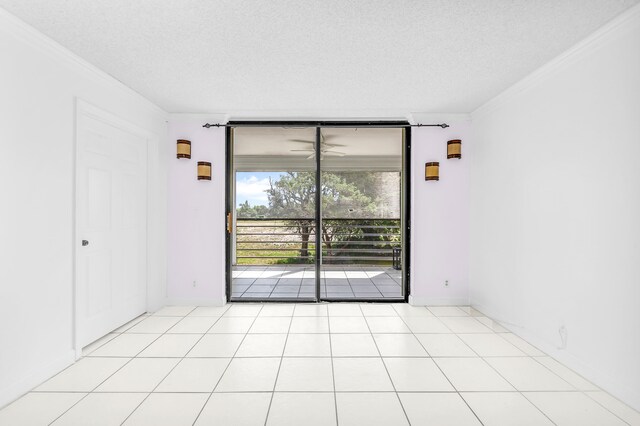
(325, 58)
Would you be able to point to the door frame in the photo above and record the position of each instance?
(405, 201)
(85, 108)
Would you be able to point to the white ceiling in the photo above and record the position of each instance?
(323, 58)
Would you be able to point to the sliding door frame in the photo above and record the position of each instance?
(405, 202)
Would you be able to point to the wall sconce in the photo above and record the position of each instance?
(204, 170)
(184, 148)
(432, 171)
(454, 148)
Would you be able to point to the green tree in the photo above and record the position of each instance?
(293, 196)
(246, 211)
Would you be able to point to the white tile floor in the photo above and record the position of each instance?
(327, 364)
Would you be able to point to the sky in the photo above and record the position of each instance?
(250, 187)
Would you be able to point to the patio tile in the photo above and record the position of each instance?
(264, 288)
(286, 289)
(265, 281)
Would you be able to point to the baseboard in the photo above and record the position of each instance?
(625, 394)
(194, 302)
(437, 301)
(37, 376)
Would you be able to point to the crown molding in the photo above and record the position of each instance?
(436, 118)
(595, 41)
(12, 26)
(198, 117)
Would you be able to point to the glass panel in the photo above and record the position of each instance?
(273, 243)
(361, 210)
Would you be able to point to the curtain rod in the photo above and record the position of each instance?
(307, 124)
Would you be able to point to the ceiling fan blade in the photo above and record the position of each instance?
(331, 144)
(302, 150)
(334, 153)
(313, 155)
(301, 141)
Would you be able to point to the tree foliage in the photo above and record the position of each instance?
(347, 198)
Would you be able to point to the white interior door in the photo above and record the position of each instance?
(111, 194)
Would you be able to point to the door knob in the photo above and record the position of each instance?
(85, 243)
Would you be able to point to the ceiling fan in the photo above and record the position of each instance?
(325, 148)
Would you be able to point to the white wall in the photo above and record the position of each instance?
(39, 85)
(555, 207)
(196, 218)
(196, 226)
(439, 216)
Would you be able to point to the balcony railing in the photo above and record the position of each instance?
(292, 240)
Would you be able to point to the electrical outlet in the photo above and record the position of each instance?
(194, 283)
(446, 283)
(563, 337)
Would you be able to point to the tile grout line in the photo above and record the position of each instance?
(177, 363)
(173, 368)
(385, 366)
(436, 364)
(496, 371)
(275, 382)
(115, 372)
(577, 388)
(230, 361)
(333, 373)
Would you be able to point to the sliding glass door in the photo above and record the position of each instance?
(315, 213)
(361, 175)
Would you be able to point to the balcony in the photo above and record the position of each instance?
(274, 258)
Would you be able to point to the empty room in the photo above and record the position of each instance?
(320, 213)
